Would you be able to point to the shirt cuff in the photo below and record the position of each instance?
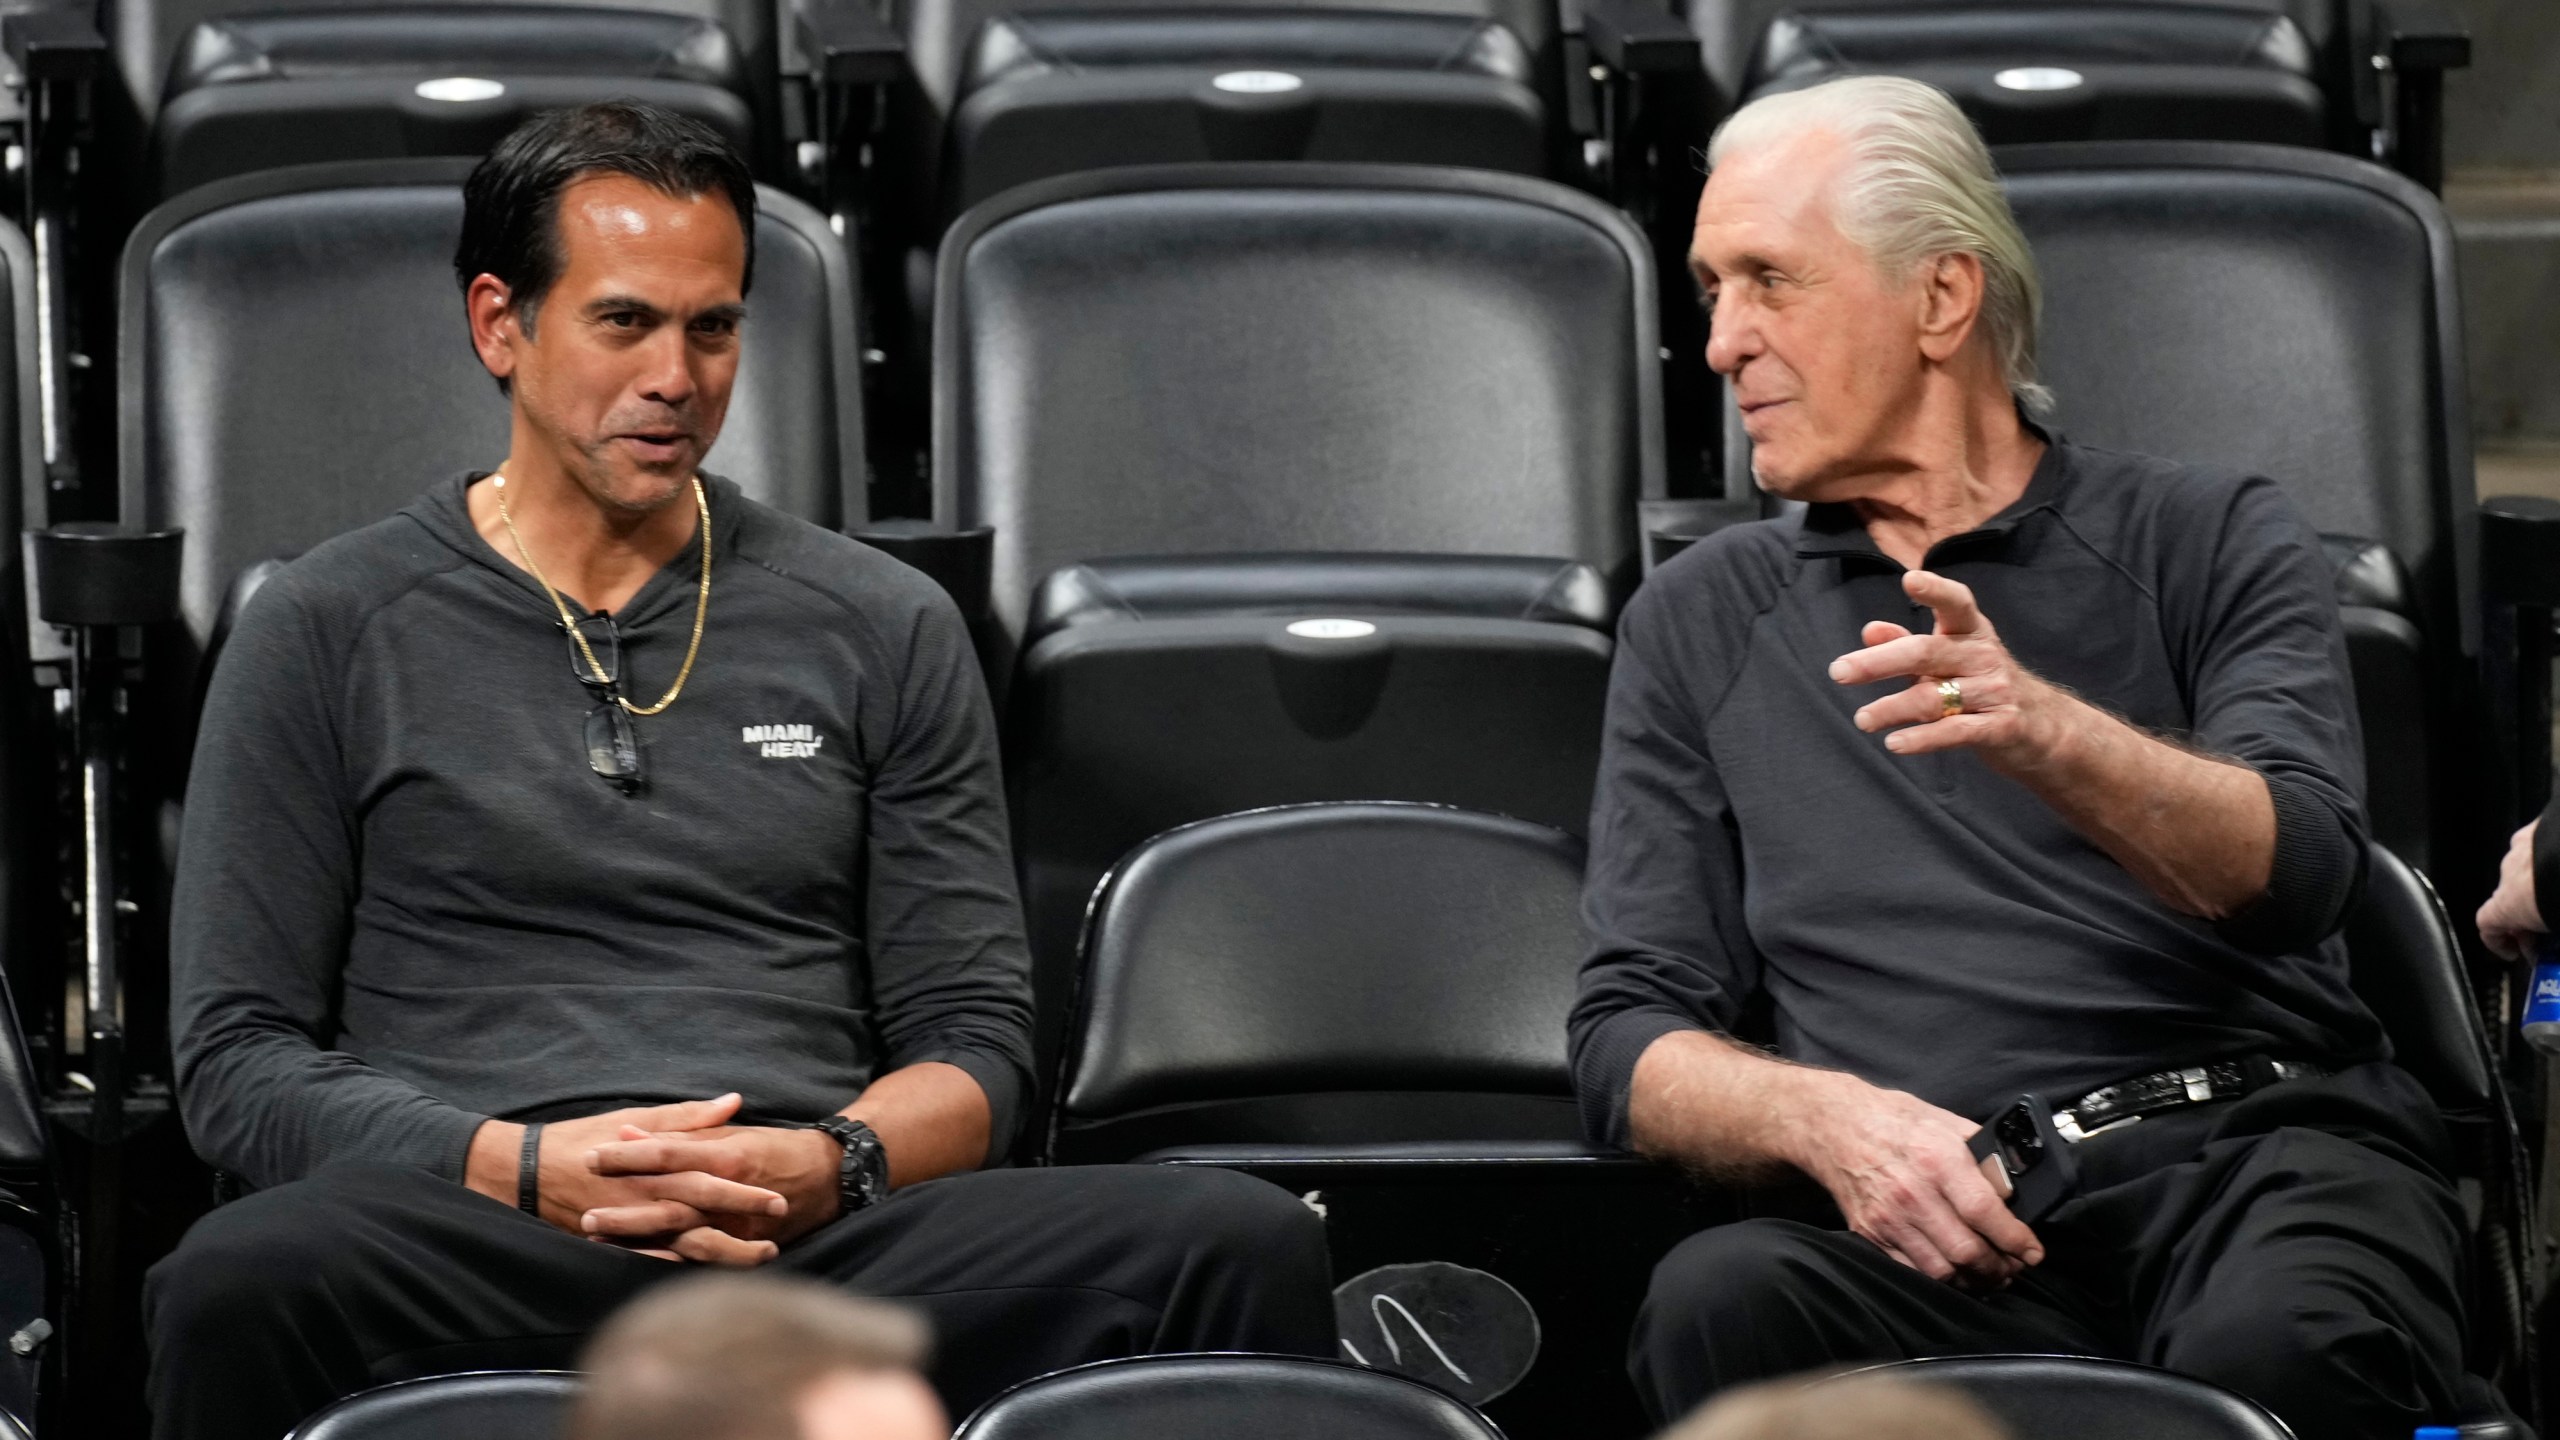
(2317, 870)
(1604, 1070)
(456, 1162)
(998, 1076)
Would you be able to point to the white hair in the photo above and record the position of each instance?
(1918, 185)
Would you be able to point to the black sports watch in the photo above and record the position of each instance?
(862, 1180)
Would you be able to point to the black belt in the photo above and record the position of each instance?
(2175, 1089)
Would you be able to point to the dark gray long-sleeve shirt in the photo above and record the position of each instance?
(405, 903)
(1925, 922)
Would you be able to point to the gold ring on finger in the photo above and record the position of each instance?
(1950, 699)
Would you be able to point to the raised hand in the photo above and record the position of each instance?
(2002, 704)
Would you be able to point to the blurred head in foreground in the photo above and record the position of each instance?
(1870, 1407)
(757, 1357)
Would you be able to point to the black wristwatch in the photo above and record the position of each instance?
(862, 1180)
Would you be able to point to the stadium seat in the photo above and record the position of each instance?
(2176, 324)
(1234, 1397)
(1303, 482)
(2408, 967)
(2291, 72)
(1365, 1002)
(1131, 83)
(481, 1405)
(2172, 325)
(1011, 91)
(282, 381)
(1297, 979)
(1050, 93)
(2058, 1397)
(254, 91)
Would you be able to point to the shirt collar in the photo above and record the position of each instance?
(1833, 529)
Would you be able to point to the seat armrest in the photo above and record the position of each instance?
(962, 562)
(850, 42)
(2520, 550)
(2421, 35)
(1640, 37)
(49, 45)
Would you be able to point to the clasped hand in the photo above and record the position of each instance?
(680, 1182)
(2003, 702)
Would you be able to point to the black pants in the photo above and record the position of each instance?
(278, 1303)
(2300, 1246)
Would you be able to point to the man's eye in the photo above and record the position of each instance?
(1766, 280)
(622, 319)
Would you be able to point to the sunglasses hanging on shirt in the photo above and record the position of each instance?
(613, 741)
(595, 656)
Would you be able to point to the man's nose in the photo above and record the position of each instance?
(669, 379)
(1731, 338)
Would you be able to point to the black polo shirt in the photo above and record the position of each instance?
(1758, 864)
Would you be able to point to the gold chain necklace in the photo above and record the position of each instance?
(701, 600)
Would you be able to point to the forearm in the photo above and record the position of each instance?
(1723, 1109)
(932, 1119)
(269, 1108)
(2197, 831)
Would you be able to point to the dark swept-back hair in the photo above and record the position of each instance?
(511, 203)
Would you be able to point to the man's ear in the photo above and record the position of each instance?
(1950, 301)
(495, 331)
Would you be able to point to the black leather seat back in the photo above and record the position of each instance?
(2408, 970)
(2272, 310)
(1732, 28)
(2072, 70)
(939, 33)
(1238, 970)
(2058, 1397)
(1318, 358)
(1052, 93)
(253, 92)
(1234, 1397)
(146, 35)
(484, 1405)
(2291, 314)
(296, 363)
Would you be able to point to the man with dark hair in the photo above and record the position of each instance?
(518, 963)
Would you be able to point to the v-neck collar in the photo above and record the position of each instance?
(447, 512)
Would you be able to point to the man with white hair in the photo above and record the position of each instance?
(2008, 768)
